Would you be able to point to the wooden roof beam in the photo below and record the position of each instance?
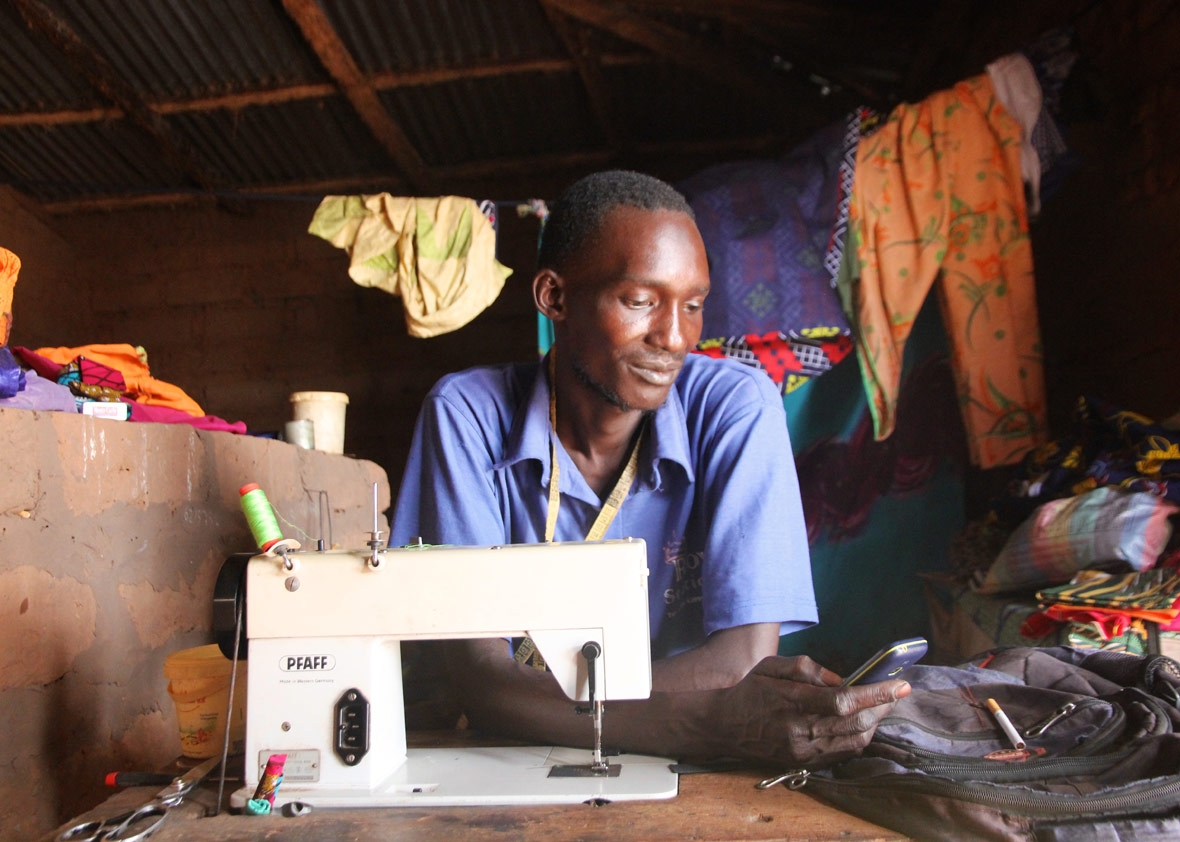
(589, 66)
(99, 72)
(454, 175)
(325, 42)
(675, 46)
(296, 93)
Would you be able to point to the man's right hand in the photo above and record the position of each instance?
(792, 711)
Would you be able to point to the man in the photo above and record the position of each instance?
(694, 452)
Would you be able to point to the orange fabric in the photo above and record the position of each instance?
(938, 200)
(141, 386)
(9, 269)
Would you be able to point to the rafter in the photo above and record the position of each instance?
(589, 66)
(99, 72)
(455, 177)
(334, 55)
(295, 93)
(676, 46)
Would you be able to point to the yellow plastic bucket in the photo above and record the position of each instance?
(198, 682)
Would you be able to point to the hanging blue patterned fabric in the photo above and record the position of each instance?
(774, 234)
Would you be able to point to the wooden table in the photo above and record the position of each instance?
(714, 806)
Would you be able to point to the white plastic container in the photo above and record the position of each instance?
(326, 412)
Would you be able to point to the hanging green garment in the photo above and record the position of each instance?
(437, 255)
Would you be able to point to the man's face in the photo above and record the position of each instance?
(634, 306)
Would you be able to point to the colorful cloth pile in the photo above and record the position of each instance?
(1119, 612)
(118, 374)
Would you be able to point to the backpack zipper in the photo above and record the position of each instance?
(997, 771)
(1108, 734)
(1136, 798)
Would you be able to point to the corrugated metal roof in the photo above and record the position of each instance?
(32, 75)
(420, 34)
(307, 140)
(487, 119)
(111, 100)
(84, 159)
(183, 49)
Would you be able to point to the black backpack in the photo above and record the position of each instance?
(1101, 755)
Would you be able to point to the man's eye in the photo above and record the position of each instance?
(637, 303)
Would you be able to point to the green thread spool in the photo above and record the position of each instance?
(260, 516)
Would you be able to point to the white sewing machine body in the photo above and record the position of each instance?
(325, 681)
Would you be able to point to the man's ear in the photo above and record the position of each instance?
(549, 294)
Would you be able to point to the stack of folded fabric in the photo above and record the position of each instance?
(1125, 612)
(1081, 551)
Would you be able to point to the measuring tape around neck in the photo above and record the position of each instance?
(526, 652)
(617, 495)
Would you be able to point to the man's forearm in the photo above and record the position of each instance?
(721, 661)
(508, 698)
(786, 710)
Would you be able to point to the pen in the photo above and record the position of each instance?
(1005, 724)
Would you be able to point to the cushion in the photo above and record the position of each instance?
(1105, 527)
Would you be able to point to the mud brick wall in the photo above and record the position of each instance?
(112, 535)
(242, 309)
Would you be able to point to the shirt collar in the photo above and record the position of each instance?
(667, 436)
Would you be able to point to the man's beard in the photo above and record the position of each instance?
(605, 392)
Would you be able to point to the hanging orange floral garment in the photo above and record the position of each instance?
(938, 198)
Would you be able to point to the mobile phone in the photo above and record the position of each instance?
(889, 662)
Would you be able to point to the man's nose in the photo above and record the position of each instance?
(670, 331)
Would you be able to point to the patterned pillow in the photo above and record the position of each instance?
(1096, 528)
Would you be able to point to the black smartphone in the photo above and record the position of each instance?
(889, 662)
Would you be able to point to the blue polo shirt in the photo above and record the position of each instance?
(715, 496)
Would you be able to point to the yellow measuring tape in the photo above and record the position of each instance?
(527, 651)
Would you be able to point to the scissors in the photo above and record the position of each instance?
(142, 822)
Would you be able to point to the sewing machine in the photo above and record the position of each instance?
(324, 668)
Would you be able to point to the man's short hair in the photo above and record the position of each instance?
(579, 213)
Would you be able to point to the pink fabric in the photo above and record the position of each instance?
(44, 366)
(167, 415)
